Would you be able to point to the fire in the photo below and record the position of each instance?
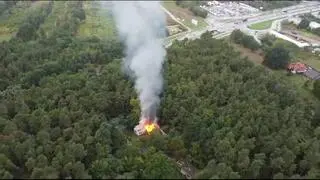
(150, 127)
(146, 126)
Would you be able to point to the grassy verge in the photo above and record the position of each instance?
(261, 26)
(185, 15)
(98, 22)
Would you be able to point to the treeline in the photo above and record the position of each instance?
(247, 41)
(193, 6)
(237, 120)
(269, 5)
(65, 112)
(306, 20)
(68, 112)
(70, 20)
(6, 5)
(276, 55)
(28, 30)
(66, 23)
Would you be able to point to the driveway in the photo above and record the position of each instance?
(312, 73)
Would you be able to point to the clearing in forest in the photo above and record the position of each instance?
(98, 21)
(185, 15)
(11, 19)
(58, 9)
(300, 82)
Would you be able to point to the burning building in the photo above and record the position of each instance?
(145, 126)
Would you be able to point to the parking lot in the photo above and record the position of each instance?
(228, 9)
(312, 73)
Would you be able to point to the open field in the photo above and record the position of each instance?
(49, 24)
(269, 5)
(309, 36)
(185, 15)
(255, 57)
(298, 81)
(10, 22)
(261, 26)
(170, 21)
(98, 21)
(301, 55)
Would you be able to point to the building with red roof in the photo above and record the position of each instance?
(297, 67)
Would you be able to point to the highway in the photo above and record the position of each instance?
(225, 26)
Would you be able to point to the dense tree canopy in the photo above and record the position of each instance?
(236, 119)
(67, 111)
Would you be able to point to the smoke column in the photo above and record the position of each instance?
(141, 26)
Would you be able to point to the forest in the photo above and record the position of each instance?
(67, 110)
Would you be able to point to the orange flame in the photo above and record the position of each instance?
(149, 127)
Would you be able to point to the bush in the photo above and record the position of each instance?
(304, 24)
(268, 40)
(197, 11)
(316, 31)
(247, 41)
(250, 42)
(277, 58)
(316, 88)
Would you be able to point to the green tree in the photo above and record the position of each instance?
(304, 24)
(316, 88)
(277, 58)
(158, 166)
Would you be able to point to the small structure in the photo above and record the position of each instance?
(294, 20)
(297, 68)
(316, 51)
(314, 25)
(145, 126)
(195, 22)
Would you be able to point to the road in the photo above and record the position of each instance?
(226, 26)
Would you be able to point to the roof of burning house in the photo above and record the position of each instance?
(297, 66)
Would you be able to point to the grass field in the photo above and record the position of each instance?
(255, 57)
(301, 32)
(301, 55)
(58, 9)
(184, 14)
(9, 23)
(98, 22)
(298, 81)
(261, 26)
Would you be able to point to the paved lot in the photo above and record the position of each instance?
(312, 73)
(229, 9)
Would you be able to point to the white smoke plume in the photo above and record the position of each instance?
(141, 26)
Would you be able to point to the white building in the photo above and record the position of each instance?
(140, 129)
(295, 20)
(314, 25)
(195, 22)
